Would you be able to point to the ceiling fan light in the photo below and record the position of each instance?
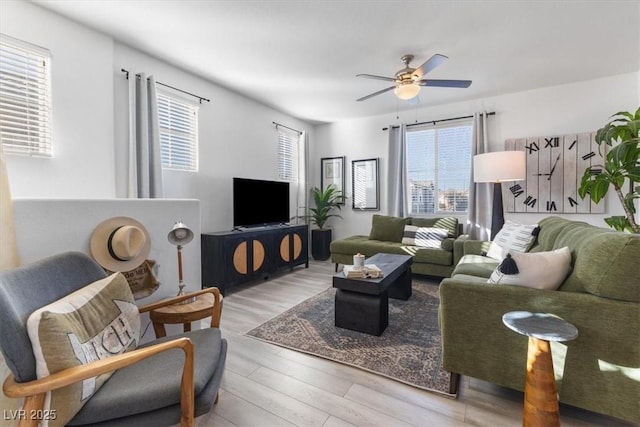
(407, 91)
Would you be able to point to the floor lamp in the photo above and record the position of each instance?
(498, 167)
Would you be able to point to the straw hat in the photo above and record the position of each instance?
(120, 243)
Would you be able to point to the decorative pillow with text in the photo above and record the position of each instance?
(90, 324)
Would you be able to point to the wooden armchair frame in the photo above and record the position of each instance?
(34, 391)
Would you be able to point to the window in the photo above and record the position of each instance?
(25, 98)
(287, 156)
(439, 167)
(178, 133)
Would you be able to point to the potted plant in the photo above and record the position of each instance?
(326, 201)
(621, 164)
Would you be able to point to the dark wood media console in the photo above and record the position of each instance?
(236, 256)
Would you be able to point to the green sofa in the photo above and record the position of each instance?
(598, 371)
(386, 237)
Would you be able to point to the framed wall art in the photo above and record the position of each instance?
(364, 178)
(332, 173)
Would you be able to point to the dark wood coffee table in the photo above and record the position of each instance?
(363, 304)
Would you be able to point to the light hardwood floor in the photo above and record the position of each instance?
(266, 385)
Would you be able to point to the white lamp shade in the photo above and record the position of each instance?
(500, 166)
(180, 234)
(407, 91)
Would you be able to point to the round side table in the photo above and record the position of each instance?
(181, 313)
(540, 395)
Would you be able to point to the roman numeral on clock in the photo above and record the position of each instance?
(572, 202)
(516, 190)
(532, 148)
(588, 156)
(573, 144)
(530, 201)
(552, 142)
(595, 171)
(551, 206)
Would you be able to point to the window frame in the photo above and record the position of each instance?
(287, 169)
(466, 122)
(35, 121)
(193, 123)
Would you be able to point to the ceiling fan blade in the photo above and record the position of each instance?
(364, 98)
(371, 76)
(445, 83)
(428, 66)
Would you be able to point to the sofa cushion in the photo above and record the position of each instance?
(387, 228)
(450, 223)
(606, 264)
(157, 379)
(475, 265)
(90, 324)
(513, 237)
(428, 237)
(538, 270)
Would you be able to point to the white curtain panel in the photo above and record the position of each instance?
(303, 188)
(397, 173)
(8, 245)
(479, 215)
(145, 166)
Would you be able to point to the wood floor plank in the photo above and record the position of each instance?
(336, 422)
(243, 413)
(352, 412)
(413, 414)
(277, 403)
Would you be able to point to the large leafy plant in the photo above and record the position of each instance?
(326, 201)
(621, 165)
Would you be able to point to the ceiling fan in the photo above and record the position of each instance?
(408, 80)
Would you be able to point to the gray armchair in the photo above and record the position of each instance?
(168, 381)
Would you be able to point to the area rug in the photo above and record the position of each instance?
(408, 351)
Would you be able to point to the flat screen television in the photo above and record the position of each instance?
(258, 202)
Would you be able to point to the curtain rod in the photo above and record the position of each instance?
(287, 127)
(492, 113)
(200, 98)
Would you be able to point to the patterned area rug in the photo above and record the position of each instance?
(409, 350)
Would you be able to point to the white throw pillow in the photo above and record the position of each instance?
(538, 270)
(513, 237)
(426, 237)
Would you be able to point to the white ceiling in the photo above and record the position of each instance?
(301, 57)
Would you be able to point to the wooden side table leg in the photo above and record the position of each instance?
(159, 329)
(540, 395)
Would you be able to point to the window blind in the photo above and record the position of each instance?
(178, 133)
(25, 98)
(439, 167)
(287, 156)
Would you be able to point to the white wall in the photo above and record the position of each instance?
(570, 108)
(82, 90)
(90, 120)
(46, 227)
(237, 138)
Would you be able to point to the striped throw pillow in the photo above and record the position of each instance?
(513, 237)
(428, 237)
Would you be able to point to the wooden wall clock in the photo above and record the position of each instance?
(555, 165)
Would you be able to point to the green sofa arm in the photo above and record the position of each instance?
(458, 247)
(599, 370)
(475, 247)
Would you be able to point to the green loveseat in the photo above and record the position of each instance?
(598, 371)
(386, 237)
